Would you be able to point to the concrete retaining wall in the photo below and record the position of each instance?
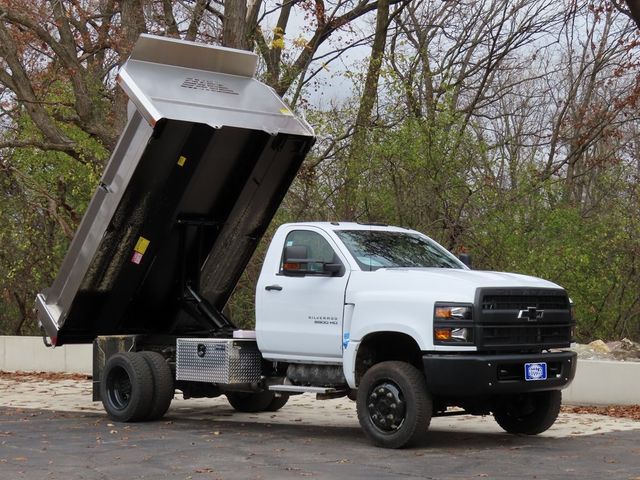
(600, 382)
(597, 382)
(29, 354)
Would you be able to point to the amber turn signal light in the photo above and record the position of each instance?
(443, 312)
(443, 334)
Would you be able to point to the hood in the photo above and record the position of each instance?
(444, 284)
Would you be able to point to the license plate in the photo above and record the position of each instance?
(535, 371)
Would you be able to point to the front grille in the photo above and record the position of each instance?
(499, 328)
(522, 302)
(549, 336)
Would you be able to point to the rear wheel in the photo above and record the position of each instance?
(163, 387)
(394, 407)
(126, 387)
(529, 413)
(279, 401)
(250, 402)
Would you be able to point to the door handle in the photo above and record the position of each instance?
(273, 287)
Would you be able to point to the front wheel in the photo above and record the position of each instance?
(528, 413)
(394, 407)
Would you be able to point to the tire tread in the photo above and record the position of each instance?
(536, 423)
(142, 386)
(420, 401)
(278, 402)
(163, 385)
(250, 402)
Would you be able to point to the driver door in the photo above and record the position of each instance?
(303, 312)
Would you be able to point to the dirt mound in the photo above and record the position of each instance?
(624, 350)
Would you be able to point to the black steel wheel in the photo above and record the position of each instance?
(528, 413)
(279, 401)
(387, 406)
(163, 385)
(394, 407)
(250, 402)
(126, 387)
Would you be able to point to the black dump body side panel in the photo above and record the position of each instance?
(234, 178)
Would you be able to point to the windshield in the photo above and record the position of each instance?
(374, 249)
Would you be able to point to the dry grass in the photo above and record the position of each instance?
(621, 411)
(40, 376)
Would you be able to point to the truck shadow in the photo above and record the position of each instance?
(299, 429)
(223, 422)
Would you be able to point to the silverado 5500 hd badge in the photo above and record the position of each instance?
(323, 319)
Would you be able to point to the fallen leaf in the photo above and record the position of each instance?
(204, 470)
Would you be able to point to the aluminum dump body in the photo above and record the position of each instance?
(203, 163)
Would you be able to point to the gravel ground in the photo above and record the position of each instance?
(50, 429)
(619, 411)
(204, 445)
(72, 393)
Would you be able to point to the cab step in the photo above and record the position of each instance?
(322, 393)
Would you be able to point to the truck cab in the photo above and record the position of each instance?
(355, 295)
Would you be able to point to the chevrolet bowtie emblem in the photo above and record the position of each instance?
(532, 314)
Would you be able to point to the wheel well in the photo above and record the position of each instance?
(384, 346)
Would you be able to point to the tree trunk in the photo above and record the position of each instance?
(133, 24)
(23, 313)
(367, 102)
(634, 10)
(234, 30)
(196, 19)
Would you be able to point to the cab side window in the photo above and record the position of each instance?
(308, 245)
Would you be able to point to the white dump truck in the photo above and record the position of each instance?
(380, 314)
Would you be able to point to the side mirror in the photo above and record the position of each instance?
(333, 268)
(466, 259)
(301, 266)
(298, 267)
(296, 263)
(295, 253)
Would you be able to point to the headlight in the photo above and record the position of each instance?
(445, 334)
(448, 312)
(453, 324)
(573, 320)
(572, 306)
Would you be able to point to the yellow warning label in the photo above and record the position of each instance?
(182, 160)
(141, 245)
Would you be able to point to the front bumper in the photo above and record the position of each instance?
(472, 375)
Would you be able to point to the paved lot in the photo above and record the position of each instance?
(204, 439)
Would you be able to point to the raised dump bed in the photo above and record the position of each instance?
(203, 163)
